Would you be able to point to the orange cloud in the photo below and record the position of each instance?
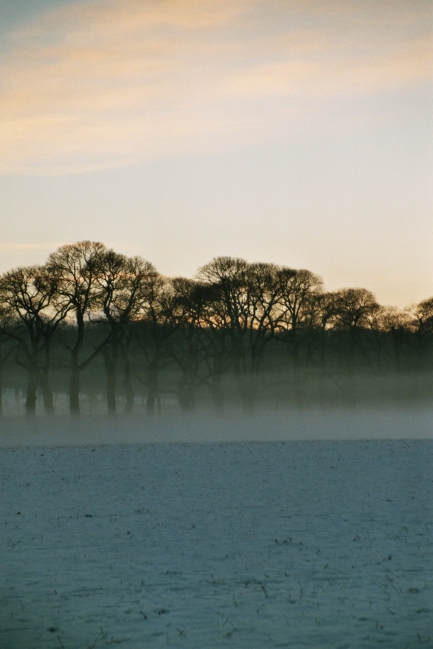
(112, 82)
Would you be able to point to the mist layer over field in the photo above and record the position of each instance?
(250, 545)
(361, 423)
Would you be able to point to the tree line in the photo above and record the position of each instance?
(236, 328)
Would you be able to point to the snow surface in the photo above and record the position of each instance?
(251, 545)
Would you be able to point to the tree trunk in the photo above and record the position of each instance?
(247, 391)
(217, 395)
(322, 365)
(298, 387)
(187, 393)
(44, 380)
(396, 342)
(351, 356)
(295, 352)
(46, 393)
(74, 388)
(297, 377)
(32, 384)
(110, 372)
(127, 383)
(152, 391)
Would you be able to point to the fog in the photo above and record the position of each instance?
(313, 423)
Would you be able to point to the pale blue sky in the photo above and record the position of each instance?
(295, 132)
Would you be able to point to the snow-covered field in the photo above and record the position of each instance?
(249, 544)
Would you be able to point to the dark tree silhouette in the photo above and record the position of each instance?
(221, 331)
(353, 308)
(187, 348)
(31, 314)
(321, 320)
(122, 289)
(206, 365)
(297, 296)
(244, 299)
(397, 324)
(422, 326)
(153, 333)
(77, 266)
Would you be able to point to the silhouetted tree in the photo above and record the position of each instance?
(397, 324)
(377, 325)
(422, 326)
(322, 307)
(187, 349)
(199, 346)
(244, 298)
(31, 314)
(153, 332)
(353, 308)
(6, 348)
(122, 286)
(180, 335)
(77, 266)
(215, 343)
(293, 314)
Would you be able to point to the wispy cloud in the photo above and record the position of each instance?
(112, 82)
(22, 247)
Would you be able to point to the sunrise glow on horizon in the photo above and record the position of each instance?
(291, 132)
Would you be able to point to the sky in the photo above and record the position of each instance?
(298, 132)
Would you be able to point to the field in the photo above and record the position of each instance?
(249, 544)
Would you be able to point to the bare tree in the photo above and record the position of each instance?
(31, 314)
(187, 348)
(353, 308)
(298, 291)
(77, 267)
(377, 324)
(397, 323)
(153, 332)
(3, 358)
(6, 346)
(244, 296)
(322, 315)
(422, 325)
(122, 283)
(200, 346)
(214, 342)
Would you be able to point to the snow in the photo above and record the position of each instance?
(205, 545)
